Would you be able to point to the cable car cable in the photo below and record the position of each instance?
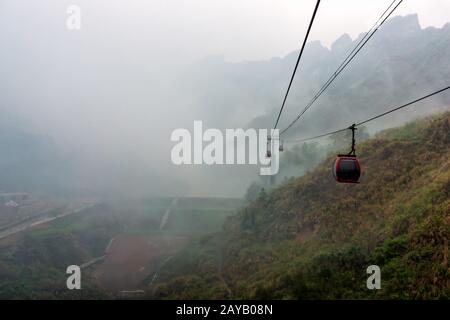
(401, 107)
(372, 118)
(297, 63)
(346, 62)
(343, 64)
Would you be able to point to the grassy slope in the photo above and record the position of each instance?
(313, 238)
(32, 266)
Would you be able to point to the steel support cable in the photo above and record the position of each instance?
(370, 119)
(297, 63)
(346, 62)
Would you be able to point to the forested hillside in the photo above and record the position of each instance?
(313, 239)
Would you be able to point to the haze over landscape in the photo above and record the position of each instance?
(97, 96)
(85, 127)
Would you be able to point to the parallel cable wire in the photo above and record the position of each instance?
(370, 119)
(346, 61)
(298, 62)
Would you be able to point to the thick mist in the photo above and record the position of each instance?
(91, 111)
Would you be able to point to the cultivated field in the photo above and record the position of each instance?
(131, 260)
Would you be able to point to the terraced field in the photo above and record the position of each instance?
(155, 232)
(121, 246)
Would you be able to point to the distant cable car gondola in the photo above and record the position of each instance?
(346, 168)
(269, 144)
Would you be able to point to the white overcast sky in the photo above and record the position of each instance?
(237, 29)
(260, 29)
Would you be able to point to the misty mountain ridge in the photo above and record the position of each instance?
(400, 63)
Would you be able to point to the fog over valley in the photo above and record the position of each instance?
(92, 111)
(201, 150)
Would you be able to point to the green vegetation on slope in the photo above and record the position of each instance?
(313, 239)
(34, 265)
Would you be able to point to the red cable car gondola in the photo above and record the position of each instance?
(346, 168)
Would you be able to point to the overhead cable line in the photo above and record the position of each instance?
(347, 60)
(297, 63)
(370, 119)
